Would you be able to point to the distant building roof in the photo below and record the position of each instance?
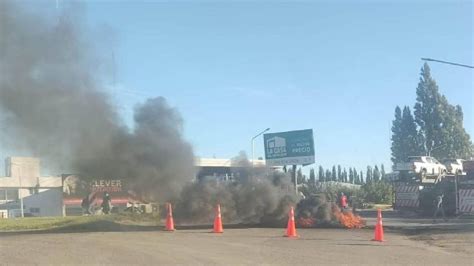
(213, 162)
(25, 172)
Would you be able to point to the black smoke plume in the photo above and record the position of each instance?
(257, 195)
(53, 105)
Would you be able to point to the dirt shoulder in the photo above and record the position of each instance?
(456, 235)
(459, 240)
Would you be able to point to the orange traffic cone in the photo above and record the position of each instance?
(379, 227)
(291, 229)
(218, 221)
(169, 218)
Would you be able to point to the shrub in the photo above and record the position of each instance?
(378, 192)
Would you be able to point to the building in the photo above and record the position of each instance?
(63, 195)
(76, 189)
(224, 169)
(41, 195)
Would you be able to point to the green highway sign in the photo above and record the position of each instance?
(288, 148)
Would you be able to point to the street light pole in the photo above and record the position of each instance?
(21, 196)
(253, 146)
(20, 192)
(446, 62)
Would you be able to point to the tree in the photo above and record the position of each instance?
(290, 172)
(351, 176)
(321, 176)
(411, 139)
(344, 175)
(377, 192)
(356, 177)
(333, 173)
(405, 137)
(299, 176)
(368, 175)
(376, 174)
(382, 172)
(328, 175)
(440, 124)
(339, 173)
(397, 149)
(354, 172)
(312, 176)
(362, 181)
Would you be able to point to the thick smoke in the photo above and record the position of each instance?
(53, 105)
(317, 207)
(257, 195)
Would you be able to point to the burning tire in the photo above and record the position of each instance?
(318, 211)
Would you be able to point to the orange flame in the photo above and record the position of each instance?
(306, 222)
(348, 219)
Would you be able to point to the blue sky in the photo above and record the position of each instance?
(235, 69)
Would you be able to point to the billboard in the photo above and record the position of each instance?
(106, 186)
(76, 188)
(287, 148)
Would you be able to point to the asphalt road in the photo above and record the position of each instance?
(234, 246)
(422, 223)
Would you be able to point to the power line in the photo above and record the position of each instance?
(446, 62)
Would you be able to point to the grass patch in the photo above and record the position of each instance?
(371, 206)
(78, 222)
(40, 223)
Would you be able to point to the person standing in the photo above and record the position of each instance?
(439, 207)
(85, 205)
(92, 200)
(353, 202)
(343, 201)
(106, 203)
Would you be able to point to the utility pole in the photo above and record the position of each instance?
(293, 174)
(20, 191)
(21, 196)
